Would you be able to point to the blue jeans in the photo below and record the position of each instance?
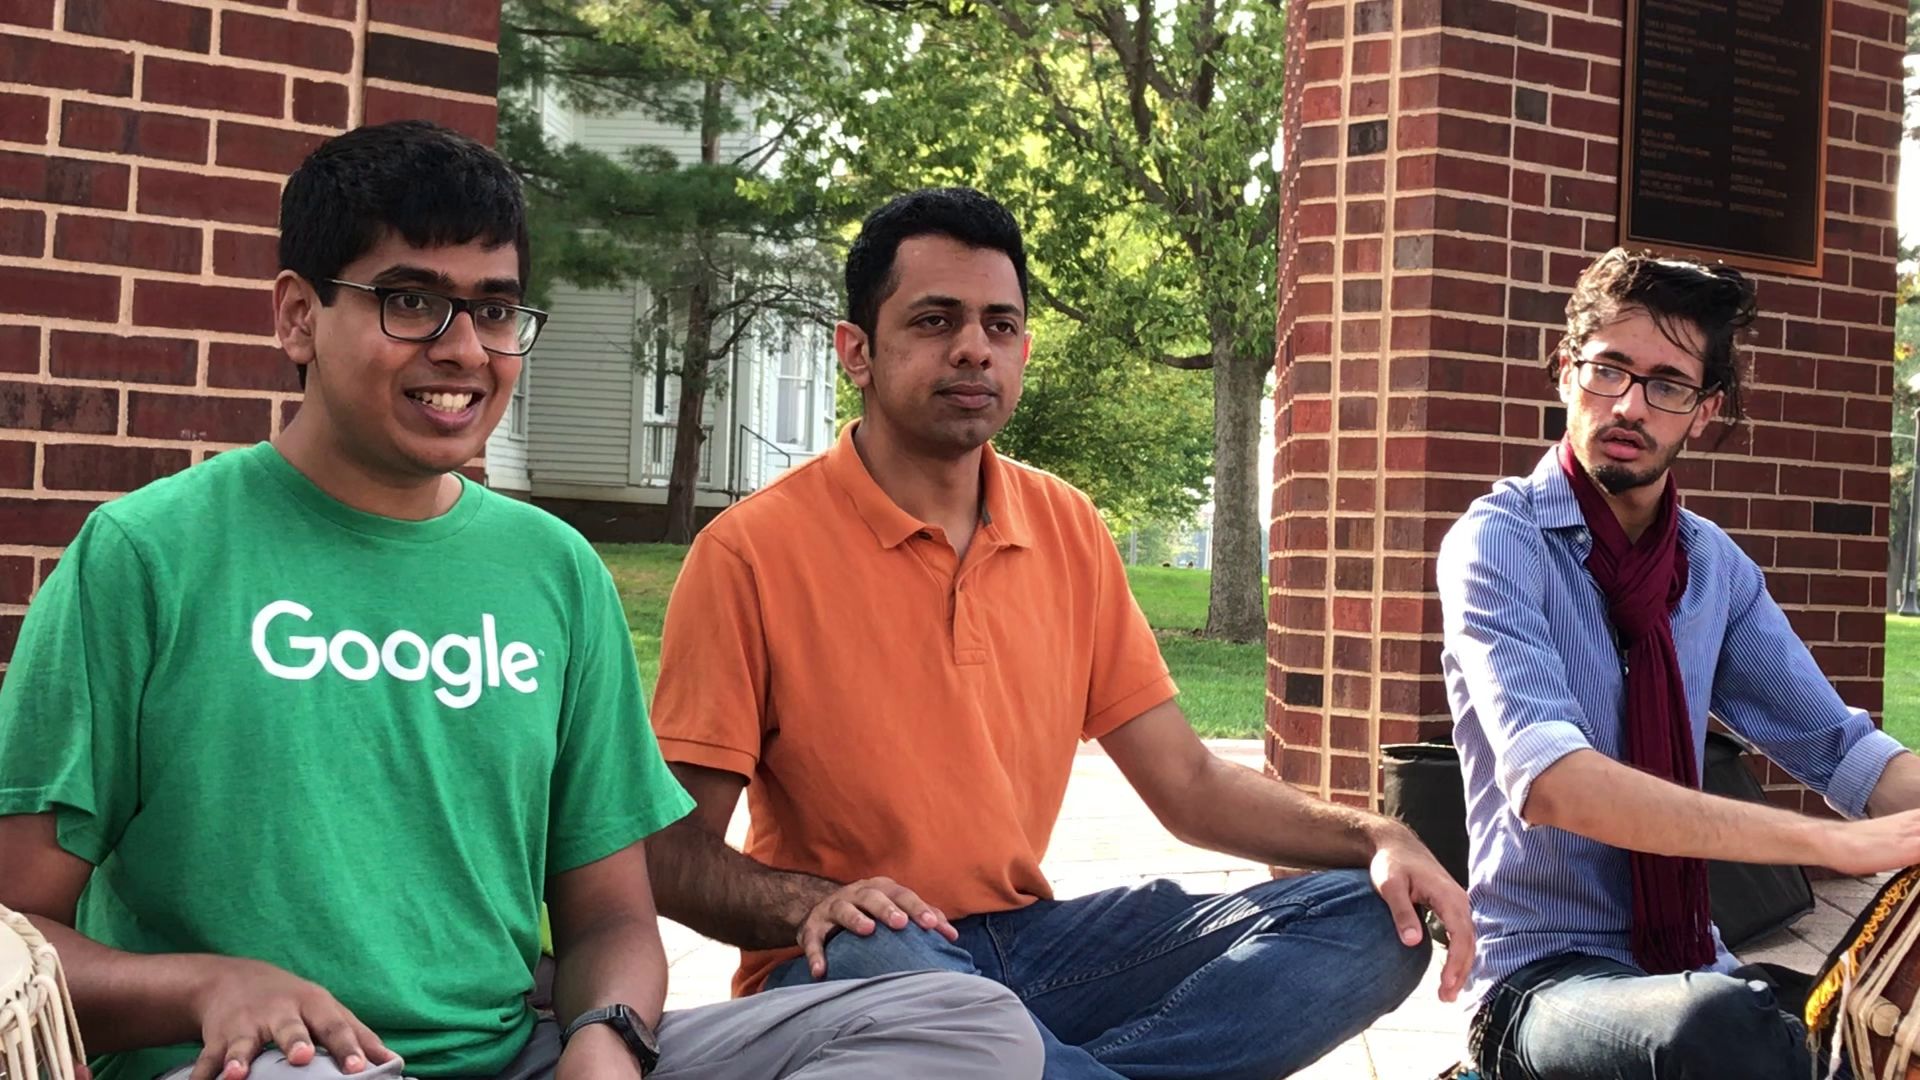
(1576, 1017)
(1151, 982)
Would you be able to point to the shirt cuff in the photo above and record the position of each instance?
(1122, 712)
(707, 755)
(1531, 753)
(1859, 773)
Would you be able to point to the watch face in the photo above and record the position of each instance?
(639, 1038)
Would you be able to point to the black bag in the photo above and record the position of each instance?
(1749, 900)
(1421, 785)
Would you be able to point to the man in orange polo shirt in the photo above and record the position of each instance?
(900, 645)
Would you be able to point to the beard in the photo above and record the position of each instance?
(1618, 479)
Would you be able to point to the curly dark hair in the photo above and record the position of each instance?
(1717, 301)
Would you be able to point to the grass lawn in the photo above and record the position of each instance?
(1222, 685)
(1902, 701)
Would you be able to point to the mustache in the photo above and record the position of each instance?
(1638, 432)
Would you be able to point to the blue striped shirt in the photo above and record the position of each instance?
(1533, 674)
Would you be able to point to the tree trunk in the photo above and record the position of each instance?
(683, 479)
(1236, 607)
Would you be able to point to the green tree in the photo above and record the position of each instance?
(1134, 141)
(714, 256)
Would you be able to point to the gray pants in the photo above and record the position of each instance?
(924, 1025)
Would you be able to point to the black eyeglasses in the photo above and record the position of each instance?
(413, 315)
(1662, 393)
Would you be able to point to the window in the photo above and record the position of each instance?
(659, 324)
(517, 407)
(793, 404)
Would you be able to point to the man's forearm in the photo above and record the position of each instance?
(620, 961)
(1238, 811)
(699, 880)
(1898, 789)
(1592, 795)
(129, 1001)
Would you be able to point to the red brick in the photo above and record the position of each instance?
(23, 118)
(59, 294)
(320, 103)
(16, 575)
(56, 65)
(209, 86)
(166, 193)
(250, 367)
(43, 522)
(16, 466)
(109, 357)
(203, 307)
(474, 119)
(19, 348)
(23, 233)
(285, 41)
(27, 13)
(152, 22)
(468, 18)
(67, 181)
(83, 467)
(1582, 114)
(87, 126)
(197, 417)
(266, 149)
(246, 255)
(91, 410)
(120, 242)
(332, 9)
(1858, 19)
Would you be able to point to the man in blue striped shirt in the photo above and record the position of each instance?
(1591, 625)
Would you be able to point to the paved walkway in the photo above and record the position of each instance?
(1106, 837)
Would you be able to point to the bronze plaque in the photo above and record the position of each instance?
(1725, 133)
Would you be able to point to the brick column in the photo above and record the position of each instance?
(1452, 166)
(142, 148)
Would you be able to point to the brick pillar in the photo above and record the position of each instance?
(143, 144)
(1452, 166)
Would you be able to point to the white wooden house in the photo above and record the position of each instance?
(590, 431)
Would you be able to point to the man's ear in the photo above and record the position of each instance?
(852, 346)
(295, 309)
(1708, 411)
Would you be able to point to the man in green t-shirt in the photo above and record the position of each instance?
(295, 743)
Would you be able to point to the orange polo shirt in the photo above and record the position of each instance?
(895, 713)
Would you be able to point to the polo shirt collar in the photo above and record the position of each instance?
(891, 525)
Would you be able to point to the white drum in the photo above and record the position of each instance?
(39, 1039)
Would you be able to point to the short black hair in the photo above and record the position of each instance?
(962, 213)
(1718, 301)
(433, 186)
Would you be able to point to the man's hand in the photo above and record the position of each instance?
(1405, 873)
(247, 1005)
(1872, 845)
(855, 907)
(596, 1053)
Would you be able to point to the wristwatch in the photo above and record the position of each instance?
(632, 1030)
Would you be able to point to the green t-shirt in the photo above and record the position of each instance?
(350, 746)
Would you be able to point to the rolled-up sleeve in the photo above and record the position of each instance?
(1503, 673)
(1769, 689)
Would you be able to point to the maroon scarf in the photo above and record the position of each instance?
(1642, 583)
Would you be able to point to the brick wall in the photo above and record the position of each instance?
(1451, 167)
(143, 144)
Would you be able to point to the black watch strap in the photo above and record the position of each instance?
(632, 1030)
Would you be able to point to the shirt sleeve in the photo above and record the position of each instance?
(1498, 651)
(610, 786)
(1129, 676)
(710, 706)
(1769, 689)
(70, 705)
